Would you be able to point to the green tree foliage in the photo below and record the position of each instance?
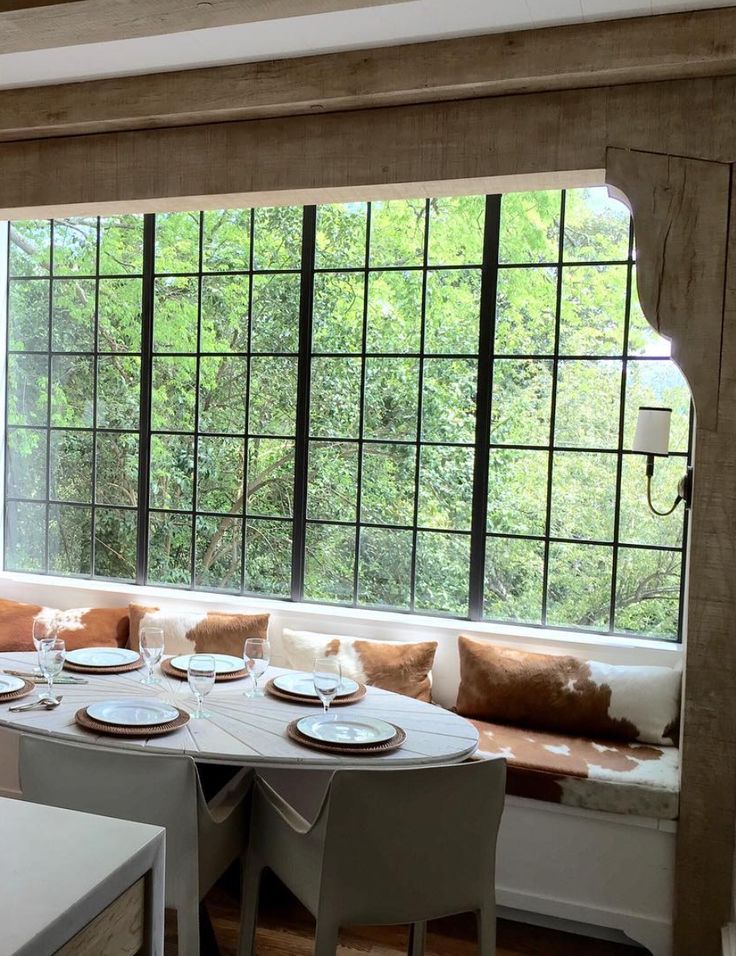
(393, 399)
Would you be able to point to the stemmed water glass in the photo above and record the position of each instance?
(327, 680)
(201, 677)
(256, 657)
(44, 628)
(152, 647)
(51, 657)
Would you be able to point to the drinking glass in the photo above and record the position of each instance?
(51, 657)
(201, 677)
(152, 647)
(44, 628)
(256, 656)
(327, 680)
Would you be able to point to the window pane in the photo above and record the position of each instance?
(452, 311)
(176, 303)
(648, 592)
(638, 524)
(219, 553)
(456, 228)
(26, 463)
(394, 311)
(579, 590)
(448, 410)
(222, 383)
(588, 404)
(224, 325)
(30, 248)
(388, 484)
(25, 536)
(526, 300)
(118, 391)
(445, 487)
(220, 473)
(397, 232)
(226, 240)
(514, 580)
(596, 226)
(384, 575)
(593, 310)
(174, 388)
(337, 324)
(329, 563)
(268, 557)
(530, 227)
(117, 469)
(522, 401)
(335, 398)
(272, 396)
(169, 549)
(116, 534)
(517, 491)
(278, 238)
(172, 471)
(27, 389)
(177, 242)
(28, 315)
(583, 496)
(71, 466)
(121, 245)
(275, 321)
(72, 391)
(70, 540)
(75, 246)
(333, 480)
(643, 340)
(391, 396)
(341, 235)
(119, 315)
(270, 477)
(442, 572)
(658, 383)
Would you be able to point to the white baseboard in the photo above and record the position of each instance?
(728, 935)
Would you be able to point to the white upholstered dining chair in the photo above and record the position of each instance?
(386, 847)
(202, 838)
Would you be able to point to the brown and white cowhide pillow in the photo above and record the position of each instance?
(568, 695)
(187, 632)
(77, 627)
(392, 665)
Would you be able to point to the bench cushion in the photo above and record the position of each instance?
(606, 775)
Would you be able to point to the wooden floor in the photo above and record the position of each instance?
(286, 929)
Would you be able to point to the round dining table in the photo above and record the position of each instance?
(242, 730)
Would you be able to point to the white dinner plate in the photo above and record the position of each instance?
(8, 683)
(303, 684)
(224, 663)
(102, 656)
(133, 712)
(346, 730)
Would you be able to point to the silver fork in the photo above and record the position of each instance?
(45, 703)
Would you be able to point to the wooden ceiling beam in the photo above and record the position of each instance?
(41, 24)
(579, 56)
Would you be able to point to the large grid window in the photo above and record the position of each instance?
(423, 405)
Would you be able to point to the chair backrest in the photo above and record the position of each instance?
(422, 842)
(161, 790)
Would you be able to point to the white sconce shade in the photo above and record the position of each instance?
(652, 436)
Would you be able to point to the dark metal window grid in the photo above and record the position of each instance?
(478, 535)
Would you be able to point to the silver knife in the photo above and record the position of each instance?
(39, 679)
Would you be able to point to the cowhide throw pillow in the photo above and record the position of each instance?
(187, 632)
(78, 627)
(392, 665)
(568, 695)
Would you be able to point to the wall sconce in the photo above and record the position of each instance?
(652, 438)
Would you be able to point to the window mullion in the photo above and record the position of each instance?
(309, 233)
(144, 425)
(489, 283)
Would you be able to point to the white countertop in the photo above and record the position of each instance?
(61, 868)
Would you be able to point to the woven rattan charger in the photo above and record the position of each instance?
(353, 698)
(170, 671)
(23, 691)
(118, 669)
(350, 750)
(114, 730)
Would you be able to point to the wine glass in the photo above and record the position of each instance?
(256, 656)
(51, 657)
(152, 647)
(201, 677)
(327, 680)
(44, 628)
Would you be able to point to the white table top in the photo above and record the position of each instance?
(251, 732)
(62, 868)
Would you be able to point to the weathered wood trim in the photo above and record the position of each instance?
(400, 148)
(33, 25)
(577, 56)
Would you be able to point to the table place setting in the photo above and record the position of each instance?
(298, 687)
(131, 717)
(13, 687)
(103, 660)
(227, 667)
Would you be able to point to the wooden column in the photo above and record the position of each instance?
(687, 286)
